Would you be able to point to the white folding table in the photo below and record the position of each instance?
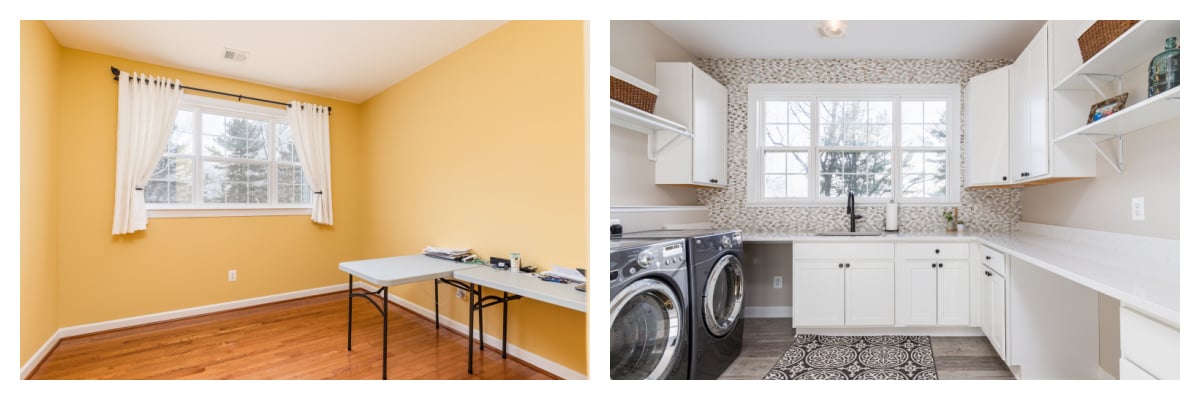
(391, 271)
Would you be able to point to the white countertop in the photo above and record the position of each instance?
(559, 294)
(1140, 272)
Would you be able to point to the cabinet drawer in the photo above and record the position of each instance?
(1149, 344)
(843, 251)
(994, 259)
(934, 251)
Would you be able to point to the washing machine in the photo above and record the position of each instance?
(717, 284)
(649, 331)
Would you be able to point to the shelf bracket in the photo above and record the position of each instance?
(651, 151)
(1119, 162)
(1091, 80)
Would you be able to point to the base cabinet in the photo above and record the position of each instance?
(1148, 346)
(933, 284)
(993, 317)
(854, 293)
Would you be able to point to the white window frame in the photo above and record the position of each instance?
(757, 93)
(200, 104)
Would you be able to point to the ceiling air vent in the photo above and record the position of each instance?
(235, 55)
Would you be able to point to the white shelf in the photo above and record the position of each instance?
(626, 116)
(1136, 46)
(1159, 108)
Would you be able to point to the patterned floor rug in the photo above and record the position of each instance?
(856, 357)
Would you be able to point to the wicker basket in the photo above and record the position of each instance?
(630, 94)
(1100, 34)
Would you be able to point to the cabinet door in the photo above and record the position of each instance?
(1039, 107)
(997, 304)
(1019, 127)
(818, 293)
(917, 293)
(985, 303)
(710, 128)
(953, 288)
(870, 290)
(987, 128)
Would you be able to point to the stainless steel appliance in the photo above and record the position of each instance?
(649, 335)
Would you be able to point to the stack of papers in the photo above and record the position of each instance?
(447, 253)
(569, 274)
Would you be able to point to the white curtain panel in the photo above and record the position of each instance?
(146, 107)
(310, 131)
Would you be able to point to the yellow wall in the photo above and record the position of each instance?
(39, 187)
(486, 149)
(181, 262)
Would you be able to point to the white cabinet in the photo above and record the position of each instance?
(987, 128)
(1029, 128)
(933, 284)
(843, 284)
(691, 97)
(1033, 154)
(993, 296)
(1150, 347)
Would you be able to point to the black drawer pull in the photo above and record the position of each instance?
(987, 273)
(987, 257)
(937, 251)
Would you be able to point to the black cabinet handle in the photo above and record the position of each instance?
(712, 180)
(987, 257)
(937, 251)
(840, 265)
(1004, 178)
(934, 265)
(847, 265)
(940, 265)
(987, 273)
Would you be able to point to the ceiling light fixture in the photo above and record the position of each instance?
(834, 28)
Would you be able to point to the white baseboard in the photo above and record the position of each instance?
(769, 312)
(164, 316)
(897, 330)
(515, 351)
(39, 355)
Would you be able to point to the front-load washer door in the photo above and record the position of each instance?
(645, 327)
(723, 296)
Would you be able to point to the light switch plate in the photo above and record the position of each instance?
(777, 282)
(1139, 208)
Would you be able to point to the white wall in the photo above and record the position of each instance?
(635, 46)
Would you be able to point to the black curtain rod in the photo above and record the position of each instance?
(117, 74)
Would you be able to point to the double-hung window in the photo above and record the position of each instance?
(815, 144)
(228, 158)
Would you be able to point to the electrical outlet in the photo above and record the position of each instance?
(232, 275)
(462, 294)
(777, 282)
(1139, 208)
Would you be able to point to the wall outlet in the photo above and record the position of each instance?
(1139, 208)
(232, 275)
(777, 282)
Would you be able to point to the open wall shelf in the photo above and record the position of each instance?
(626, 116)
(1136, 46)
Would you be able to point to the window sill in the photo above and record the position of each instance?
(225, 212)
(859, 203)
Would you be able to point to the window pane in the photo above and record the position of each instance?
(775, 163)
(798, 112)
(862, 162)
(776, 135)
(935, 135)
(232, 137)
(863, 185)
(181, 135)
(856, 123)
(880, 112)
(928, 162)
(233, 182)
(798, 135)
(912, 112)
(775, 112)
(775, 185)
(797, 185)
(786, 123)
(797, 162)
(844, 112)
(285, 147)
(171, 182)
(935, 112)
(292, 188)
(912, 135)
(866, 173)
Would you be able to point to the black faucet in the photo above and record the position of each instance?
(850, 210)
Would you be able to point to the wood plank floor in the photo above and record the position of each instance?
(297, 339)
(766, 339)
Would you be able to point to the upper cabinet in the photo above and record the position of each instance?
(987, 128)
(691, 97)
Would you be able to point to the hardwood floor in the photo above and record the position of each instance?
(297, 339)
(766, 339)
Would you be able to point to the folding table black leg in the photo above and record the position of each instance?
(385, 326)
(437, 321)
(350, 311)
(480, 319)
(504, 335)
(470, 330)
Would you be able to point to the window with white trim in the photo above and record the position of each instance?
(228, 158)
(814, 144)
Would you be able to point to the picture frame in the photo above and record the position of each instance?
(1107, 107)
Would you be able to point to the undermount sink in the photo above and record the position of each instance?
(872, 233)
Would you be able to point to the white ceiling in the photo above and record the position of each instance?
(343, 60)
(864, 39)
